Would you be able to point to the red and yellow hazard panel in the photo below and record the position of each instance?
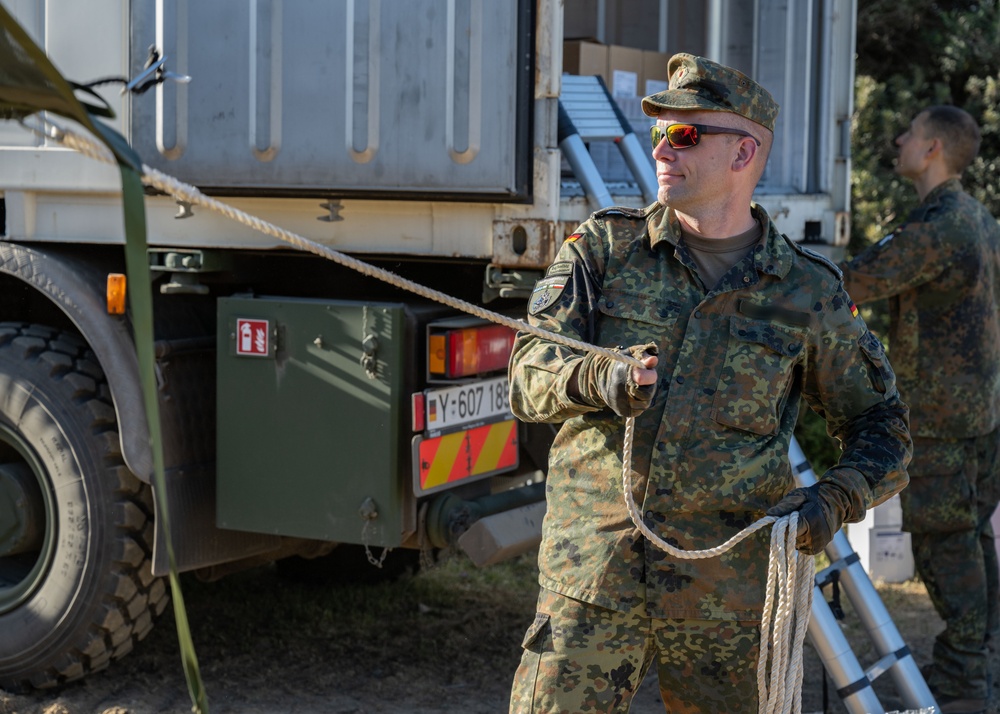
(469, 454)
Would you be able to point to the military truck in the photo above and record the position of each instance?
(312, 416)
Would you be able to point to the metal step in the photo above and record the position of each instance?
(588, 113)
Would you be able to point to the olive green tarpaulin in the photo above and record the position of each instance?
(29, 83)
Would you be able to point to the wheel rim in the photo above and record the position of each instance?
(27, 521)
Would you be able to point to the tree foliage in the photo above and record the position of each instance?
(912, 54)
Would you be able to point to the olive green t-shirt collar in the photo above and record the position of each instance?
(773, 255)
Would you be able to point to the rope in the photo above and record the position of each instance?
(787, 601)
(790, 574)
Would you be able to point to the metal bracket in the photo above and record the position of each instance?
(508, 283)
(154, 73)
(333, 211)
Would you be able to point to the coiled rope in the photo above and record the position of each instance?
(788, 599)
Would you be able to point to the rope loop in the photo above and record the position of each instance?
(787, 600)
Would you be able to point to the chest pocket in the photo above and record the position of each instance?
(757, 374)
(630, 319)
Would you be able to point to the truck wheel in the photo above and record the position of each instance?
(76, 585)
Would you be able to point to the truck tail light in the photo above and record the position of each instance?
(419, 416)
(467, 351)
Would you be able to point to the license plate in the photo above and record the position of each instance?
(475, 403)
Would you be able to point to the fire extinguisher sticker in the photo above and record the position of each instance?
(252, 338)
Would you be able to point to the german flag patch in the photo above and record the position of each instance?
(854, 309)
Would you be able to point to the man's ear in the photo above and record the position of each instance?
(936, 149)
(746, 151)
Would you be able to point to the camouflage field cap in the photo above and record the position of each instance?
(699, 83)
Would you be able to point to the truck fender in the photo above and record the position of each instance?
(76, 287)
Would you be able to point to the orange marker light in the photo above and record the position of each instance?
(466, 352)
(116, 294)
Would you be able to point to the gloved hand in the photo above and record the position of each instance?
(601, 381)
(821, 508)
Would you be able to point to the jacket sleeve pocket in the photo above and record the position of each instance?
(879, 372)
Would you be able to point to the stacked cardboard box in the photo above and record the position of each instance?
(627, 72)
(624, 71)
(881, 544)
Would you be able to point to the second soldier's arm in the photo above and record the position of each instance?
(911, 256)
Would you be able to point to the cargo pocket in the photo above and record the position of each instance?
(940, 497)
(535, 632)
(522, 695)
(757, 374)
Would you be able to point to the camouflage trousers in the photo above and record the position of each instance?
(954, 488)
(580, 657)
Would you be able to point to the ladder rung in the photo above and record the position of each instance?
(586, 102)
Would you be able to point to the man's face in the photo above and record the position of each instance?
(913, 147)
(689, 178)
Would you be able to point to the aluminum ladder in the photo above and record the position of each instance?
(588, 112)
(853, 683)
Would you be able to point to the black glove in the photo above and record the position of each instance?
(821, 508)
(604, 382)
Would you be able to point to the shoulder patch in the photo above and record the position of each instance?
(546, 292)
(561, 268)
(842, 301)
(816, 257)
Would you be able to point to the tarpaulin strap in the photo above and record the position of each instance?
(29, 84)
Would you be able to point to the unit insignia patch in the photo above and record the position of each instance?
(546, 292)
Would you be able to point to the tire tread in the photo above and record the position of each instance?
(133, 598)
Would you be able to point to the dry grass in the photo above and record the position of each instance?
(447, 640)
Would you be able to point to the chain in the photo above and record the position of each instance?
(369, 512)
(369, 346)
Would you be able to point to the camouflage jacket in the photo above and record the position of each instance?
(711, 452)
(941, 272)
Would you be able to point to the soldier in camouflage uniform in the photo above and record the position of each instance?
(941, 273)
(734, 324)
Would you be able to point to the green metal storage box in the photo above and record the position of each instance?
(310, 400)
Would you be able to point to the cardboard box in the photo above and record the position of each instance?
(624, 71)
(890, 557)
(889, 513)
(882, 546)
(884, 551)
(585, 58)
(654, 72)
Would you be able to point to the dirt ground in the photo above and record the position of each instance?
(446, 640)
